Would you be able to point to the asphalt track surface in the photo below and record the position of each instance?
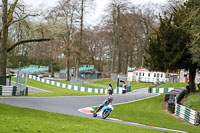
(71, 105)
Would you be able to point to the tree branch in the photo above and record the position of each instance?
(11, 11)
(26, 41)
(20, 19)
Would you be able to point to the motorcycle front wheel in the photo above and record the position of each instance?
(105, 114)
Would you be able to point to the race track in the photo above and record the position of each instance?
(70, 105)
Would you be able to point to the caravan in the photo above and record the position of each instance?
(144, 75)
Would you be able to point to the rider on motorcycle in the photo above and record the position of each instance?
(110, 89)
(124, 89)
(106, 102)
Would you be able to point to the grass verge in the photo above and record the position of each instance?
(152, 115)
(15, 119)
(105, 82)
(134, 85)
(172, 85)
(56, 91)
(83, 85)
(137, 85)
(193, 101)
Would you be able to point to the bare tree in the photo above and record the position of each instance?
(63, 17)
(129, 28)
(79, 46)
(7, 20)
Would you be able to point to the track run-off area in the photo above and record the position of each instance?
(82, 105)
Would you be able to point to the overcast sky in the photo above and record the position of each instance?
(100, 3)
(99, 6)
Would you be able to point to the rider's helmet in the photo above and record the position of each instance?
(110, 99)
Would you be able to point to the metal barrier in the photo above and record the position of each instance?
(8, 90)
(187, 114)
(172, 97)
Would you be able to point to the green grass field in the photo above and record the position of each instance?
(193, 101)
(23, 120)
(105, 82)
(137, 85)
(172, 85)
(152, 115)
(15, 119)
(150, 112)
(83, 85)
(134, 85)
(56, 91)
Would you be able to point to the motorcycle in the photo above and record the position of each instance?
(104, 112)
(123, 91)
(110, 92)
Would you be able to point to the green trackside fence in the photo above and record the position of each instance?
(77, 88)
(160, 90)
(8, 90)
(187, 114)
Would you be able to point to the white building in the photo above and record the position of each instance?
(144, 75)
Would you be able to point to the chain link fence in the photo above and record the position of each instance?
(21, 83)
(121, 77)
(75, 81)
(115, 76)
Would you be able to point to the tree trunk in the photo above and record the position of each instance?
(3, 58)
(142, 62)
(131, 57)
(126, 63)
(67, 66)
(192, 75)
(81, 41)
(77, 68)
(113, 40)
(113, 61)
(119, 61)
(101, 65)
(52, 70)
(3, 39)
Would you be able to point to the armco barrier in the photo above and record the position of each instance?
(187, 114)
(173, 96)
(72, 87)
(8, 90)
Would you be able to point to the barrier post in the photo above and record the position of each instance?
(14, 91)
(198, 119)
(171, 106)
(150, 90)
(26, 91)
(1, 89)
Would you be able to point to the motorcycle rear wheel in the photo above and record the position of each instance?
(95, 112)
(94, 115)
